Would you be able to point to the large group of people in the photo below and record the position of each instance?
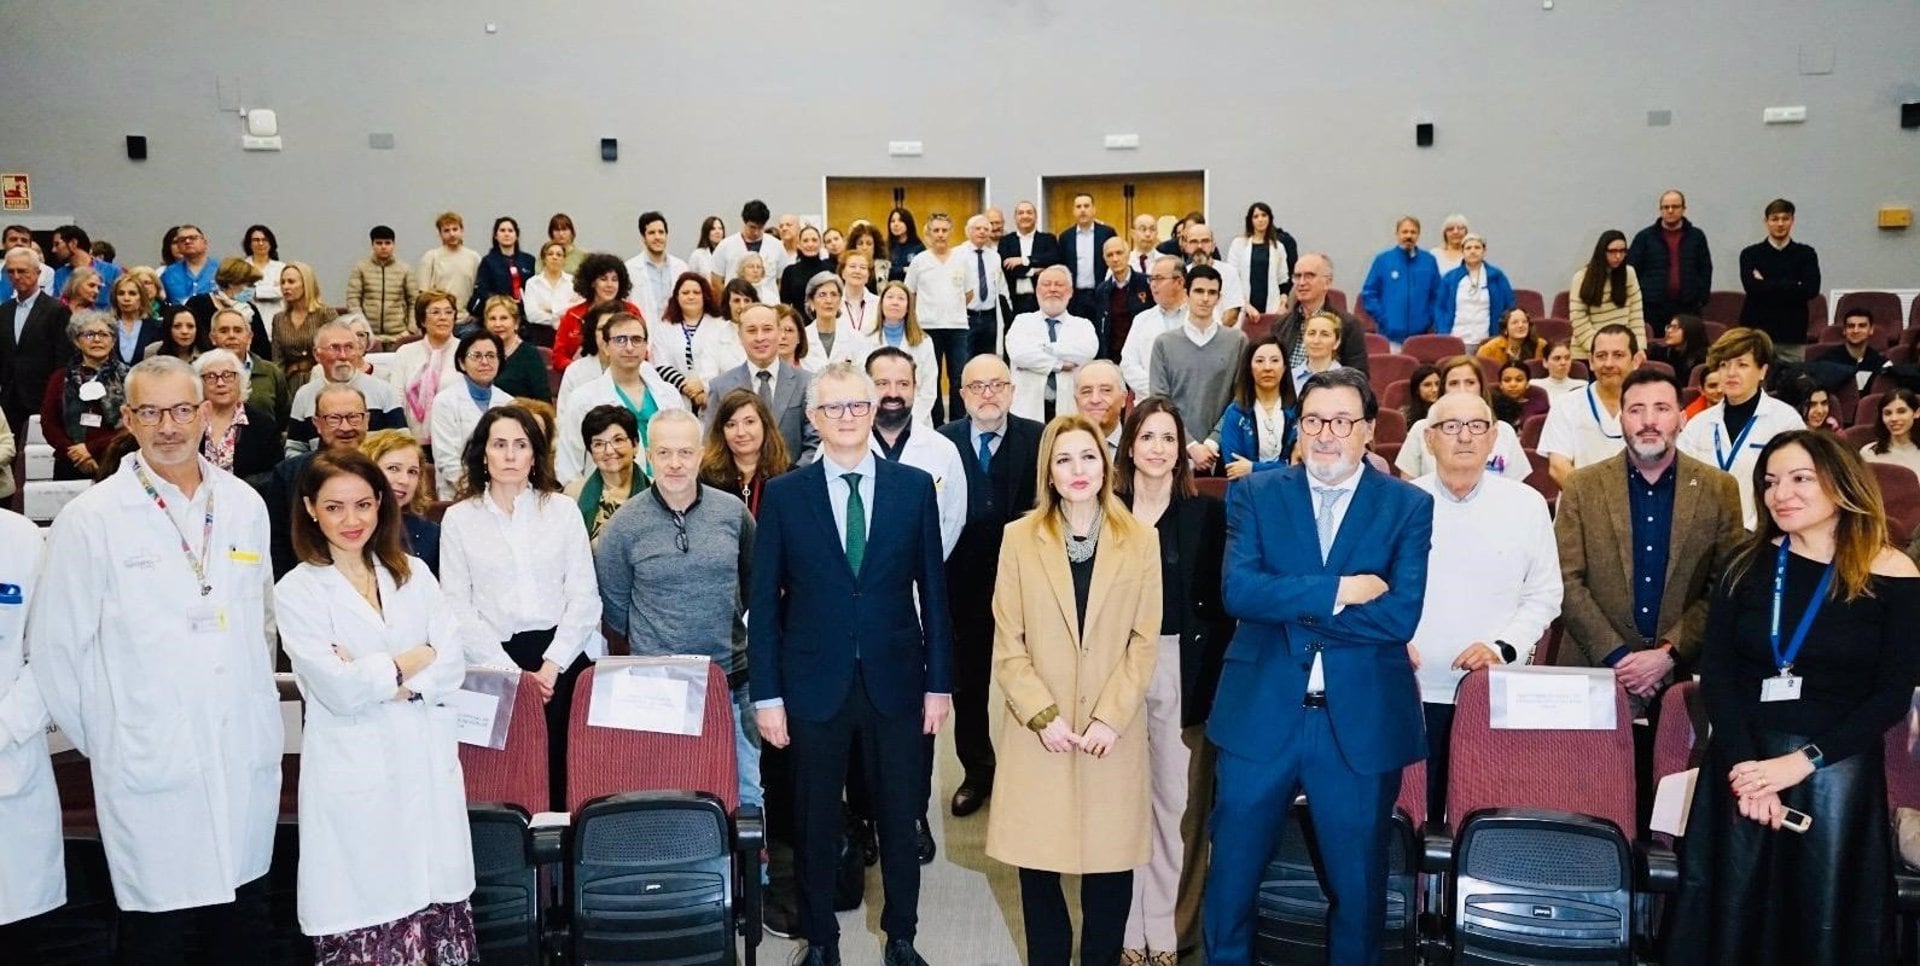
(876, 474)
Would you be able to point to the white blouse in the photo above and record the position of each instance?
(525, 571)
(713, 349)
(545, 302)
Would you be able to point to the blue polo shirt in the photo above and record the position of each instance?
(181, 284)
(109, 273)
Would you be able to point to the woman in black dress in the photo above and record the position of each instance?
(1808, 660)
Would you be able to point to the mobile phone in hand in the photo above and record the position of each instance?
(1796, 821)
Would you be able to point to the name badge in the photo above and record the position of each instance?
(1781, 687)
(90, 420)
(11, 594)
(240, 556)
(207, 619)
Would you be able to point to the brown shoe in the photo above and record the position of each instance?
(1133, 957)
(1163, 959)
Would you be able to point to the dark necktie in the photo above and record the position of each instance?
(986, 452)
(766, 387)
(980, 265)
(1053, 336)
(856, 537)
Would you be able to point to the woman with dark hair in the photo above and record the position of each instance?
(560, 230)
(1559, 364)
(523, 373)
(1264, 256)
(1893, 431)
(611, 433)
(80, 407)
(864, 238)
(738, 294)
(601, 280)
(519, 570)
(183, 340)
(1463, 374)
(793, 336)
(902, 241)
(262, 251)
(713, 231)
(1155, 481)
(1683, 345)
(1517, 341)
(1423, 390)
(375, 648)
(1255, 431)
(1816, 410)
(1604, 292)
(170, 246)
(809, 262)
(404, 465)
(743, 451)
(1513, 397)
(694, 336)
(460, 403)
(504, 270)
(1807, 661)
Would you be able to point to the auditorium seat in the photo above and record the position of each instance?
(1723, 307)
(1489, 370)
(1377, 344)
(1714, 330)
(1682, 722)
(1531, 301)
(1903, 791)
(1257, 325)
(1389, 452)
(1396, 396)
(1554, 328)
(553, 378)
(1562, 304)
(1696, 375)
(1867, 411)
(1542, 480)
(1816, 317)
(1385, 369)
(1360, 315)
(1430, 348)
(1530, 430)
(1213, 486)
(1389, 426)
(505, 788)
(517, 774)
(1337, 299)
(1899, 490)
(1858, 436)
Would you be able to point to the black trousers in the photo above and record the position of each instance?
(237, 933)
(950, 348)
(983, 332)
(1439, 733)
(895, 751)
(1105, 900)
(529, 649)
(972, 678)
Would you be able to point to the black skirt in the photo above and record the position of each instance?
(1757, 897)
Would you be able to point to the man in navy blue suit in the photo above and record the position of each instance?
(848, 637)
(1326, 568)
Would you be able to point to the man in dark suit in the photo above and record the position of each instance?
(781, 386)
(1080, 248)
(999, 450)
(1674, 263)
(1022, 255)
(33, 340)
(849, 640)
(1326, 568)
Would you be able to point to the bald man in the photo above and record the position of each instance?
(1101, 395)
(1118, 297)
(1023, 253)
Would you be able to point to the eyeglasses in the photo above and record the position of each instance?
(841, 410)
(609, 445)
(182, 414)
(680, 532)
(1342, 426)
(982, 387)
(220, 378)
(622, 341)
(482, 357)
(337, 420)
(1452, 427)
(95, 334)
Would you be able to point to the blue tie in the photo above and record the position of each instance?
(980, 263)
(986, 452)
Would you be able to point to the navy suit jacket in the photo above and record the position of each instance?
(811, 615)
(1276, 586)
(1069, 252)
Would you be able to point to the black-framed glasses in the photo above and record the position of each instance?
(621, 341)
(981, 387)
(1341, 426)
(680, 538)
(182, 414)
(840, 410)
(337, 420)
(221, 377)
(1474, 427)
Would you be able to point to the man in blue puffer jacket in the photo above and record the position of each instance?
(1402, 286)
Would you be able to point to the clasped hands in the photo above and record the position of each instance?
(1097, 740)
(772, 722)
(1757, 785)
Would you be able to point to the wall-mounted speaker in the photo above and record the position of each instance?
(1423, 135)
(136, 147)
(1910, 115)
(609, 149)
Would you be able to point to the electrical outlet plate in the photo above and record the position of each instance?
(250, 143)
(906, 149)
(1122, 142)
(1784, 115)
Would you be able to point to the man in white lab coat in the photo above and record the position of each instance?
(32, 877)
(1045, 348)
(151, 645)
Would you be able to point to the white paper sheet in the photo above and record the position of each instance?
(474, 713)
(1672, 802)
(643, 702)
(1539, 698)
(291, 721)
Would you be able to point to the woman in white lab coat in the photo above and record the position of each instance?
(386, 864)
(32, 875)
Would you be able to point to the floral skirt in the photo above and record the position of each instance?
(439, 935)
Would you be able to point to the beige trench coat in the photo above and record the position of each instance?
(1070, 812)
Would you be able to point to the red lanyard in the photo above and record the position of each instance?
(199, 564)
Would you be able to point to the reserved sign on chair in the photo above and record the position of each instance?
(1551, 699)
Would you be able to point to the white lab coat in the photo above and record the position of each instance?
(927, 450)
(849, 345)
(570, 456)
(454, 417)
(383, 805)
(179, 717)
(1706, 439)
(1033, 359)
(652, 303)
(33, 875)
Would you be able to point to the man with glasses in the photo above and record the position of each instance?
(630, 380)
(680, 533)
(340, 359)
(999, 451)
(1312, 281)
(266, 385)
(1197, 245)
(1673, 262)
(1326, 571)
(849, 642)
(339, 421)
(1167, 280)
(150, 643)
(1493, 575)
(194, 273)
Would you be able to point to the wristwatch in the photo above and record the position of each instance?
(1813, 755)
(1507, 654)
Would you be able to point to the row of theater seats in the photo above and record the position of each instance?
(655, 861)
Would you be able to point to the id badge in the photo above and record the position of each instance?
(207, 619)
(1781, 687)
(90, 420)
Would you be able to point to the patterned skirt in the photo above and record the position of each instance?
(439, 935)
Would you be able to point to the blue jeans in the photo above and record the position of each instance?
(746, 744)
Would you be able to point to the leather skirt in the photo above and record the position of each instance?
(1755, 896)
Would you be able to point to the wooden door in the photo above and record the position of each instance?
(851, 199)
(1117, 198)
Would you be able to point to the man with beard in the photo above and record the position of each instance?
(1317, 691)
(1046, 346)
(896, 439)
(1642, 534)
(340, 356)
(1197, 243)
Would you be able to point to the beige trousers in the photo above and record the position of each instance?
(1156, 886)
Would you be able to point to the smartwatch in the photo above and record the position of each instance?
(1507, 654)
(1813, 755)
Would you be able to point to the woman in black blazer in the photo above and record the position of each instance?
(1155, 480)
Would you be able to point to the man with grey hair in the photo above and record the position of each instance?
(984, 287)
(33, 339)
(1312, 281)
(339, 355)
(339, 421)
(849, 640)
(1198, 244)
(1044, 348)
(1167, 281)
(1493, 573)
(266, 385)
(150, 642)
(1100, 394)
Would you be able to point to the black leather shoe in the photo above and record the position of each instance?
(900, 952)
(820, 956)
(968, 798)
(867, 837)
(923, 844)
(780, 917)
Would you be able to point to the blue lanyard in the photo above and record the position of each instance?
(1726, 462)
(1784, 659)
(1594, 407)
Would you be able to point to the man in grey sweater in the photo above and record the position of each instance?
(672, 564)
(1195, 365)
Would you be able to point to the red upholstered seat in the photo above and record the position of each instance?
(1389, 426)
(1724, 307)
(517, 774)
(1428, 347)
(1903, 773)
(1530, 300)
(1554, 328)
(607, 761)
(1587, 772)
(1385, 369)
(1377, 344)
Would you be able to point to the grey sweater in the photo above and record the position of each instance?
(1199, 379)
(672, 601)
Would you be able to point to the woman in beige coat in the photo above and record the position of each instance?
(1076, 611)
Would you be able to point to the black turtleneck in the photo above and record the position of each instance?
(1737, 416)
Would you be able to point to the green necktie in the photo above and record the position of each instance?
(856, 522)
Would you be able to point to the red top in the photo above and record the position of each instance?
(568, 336)
(1672, 237)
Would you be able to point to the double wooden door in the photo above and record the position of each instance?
(1118, 198)
(852, 199)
